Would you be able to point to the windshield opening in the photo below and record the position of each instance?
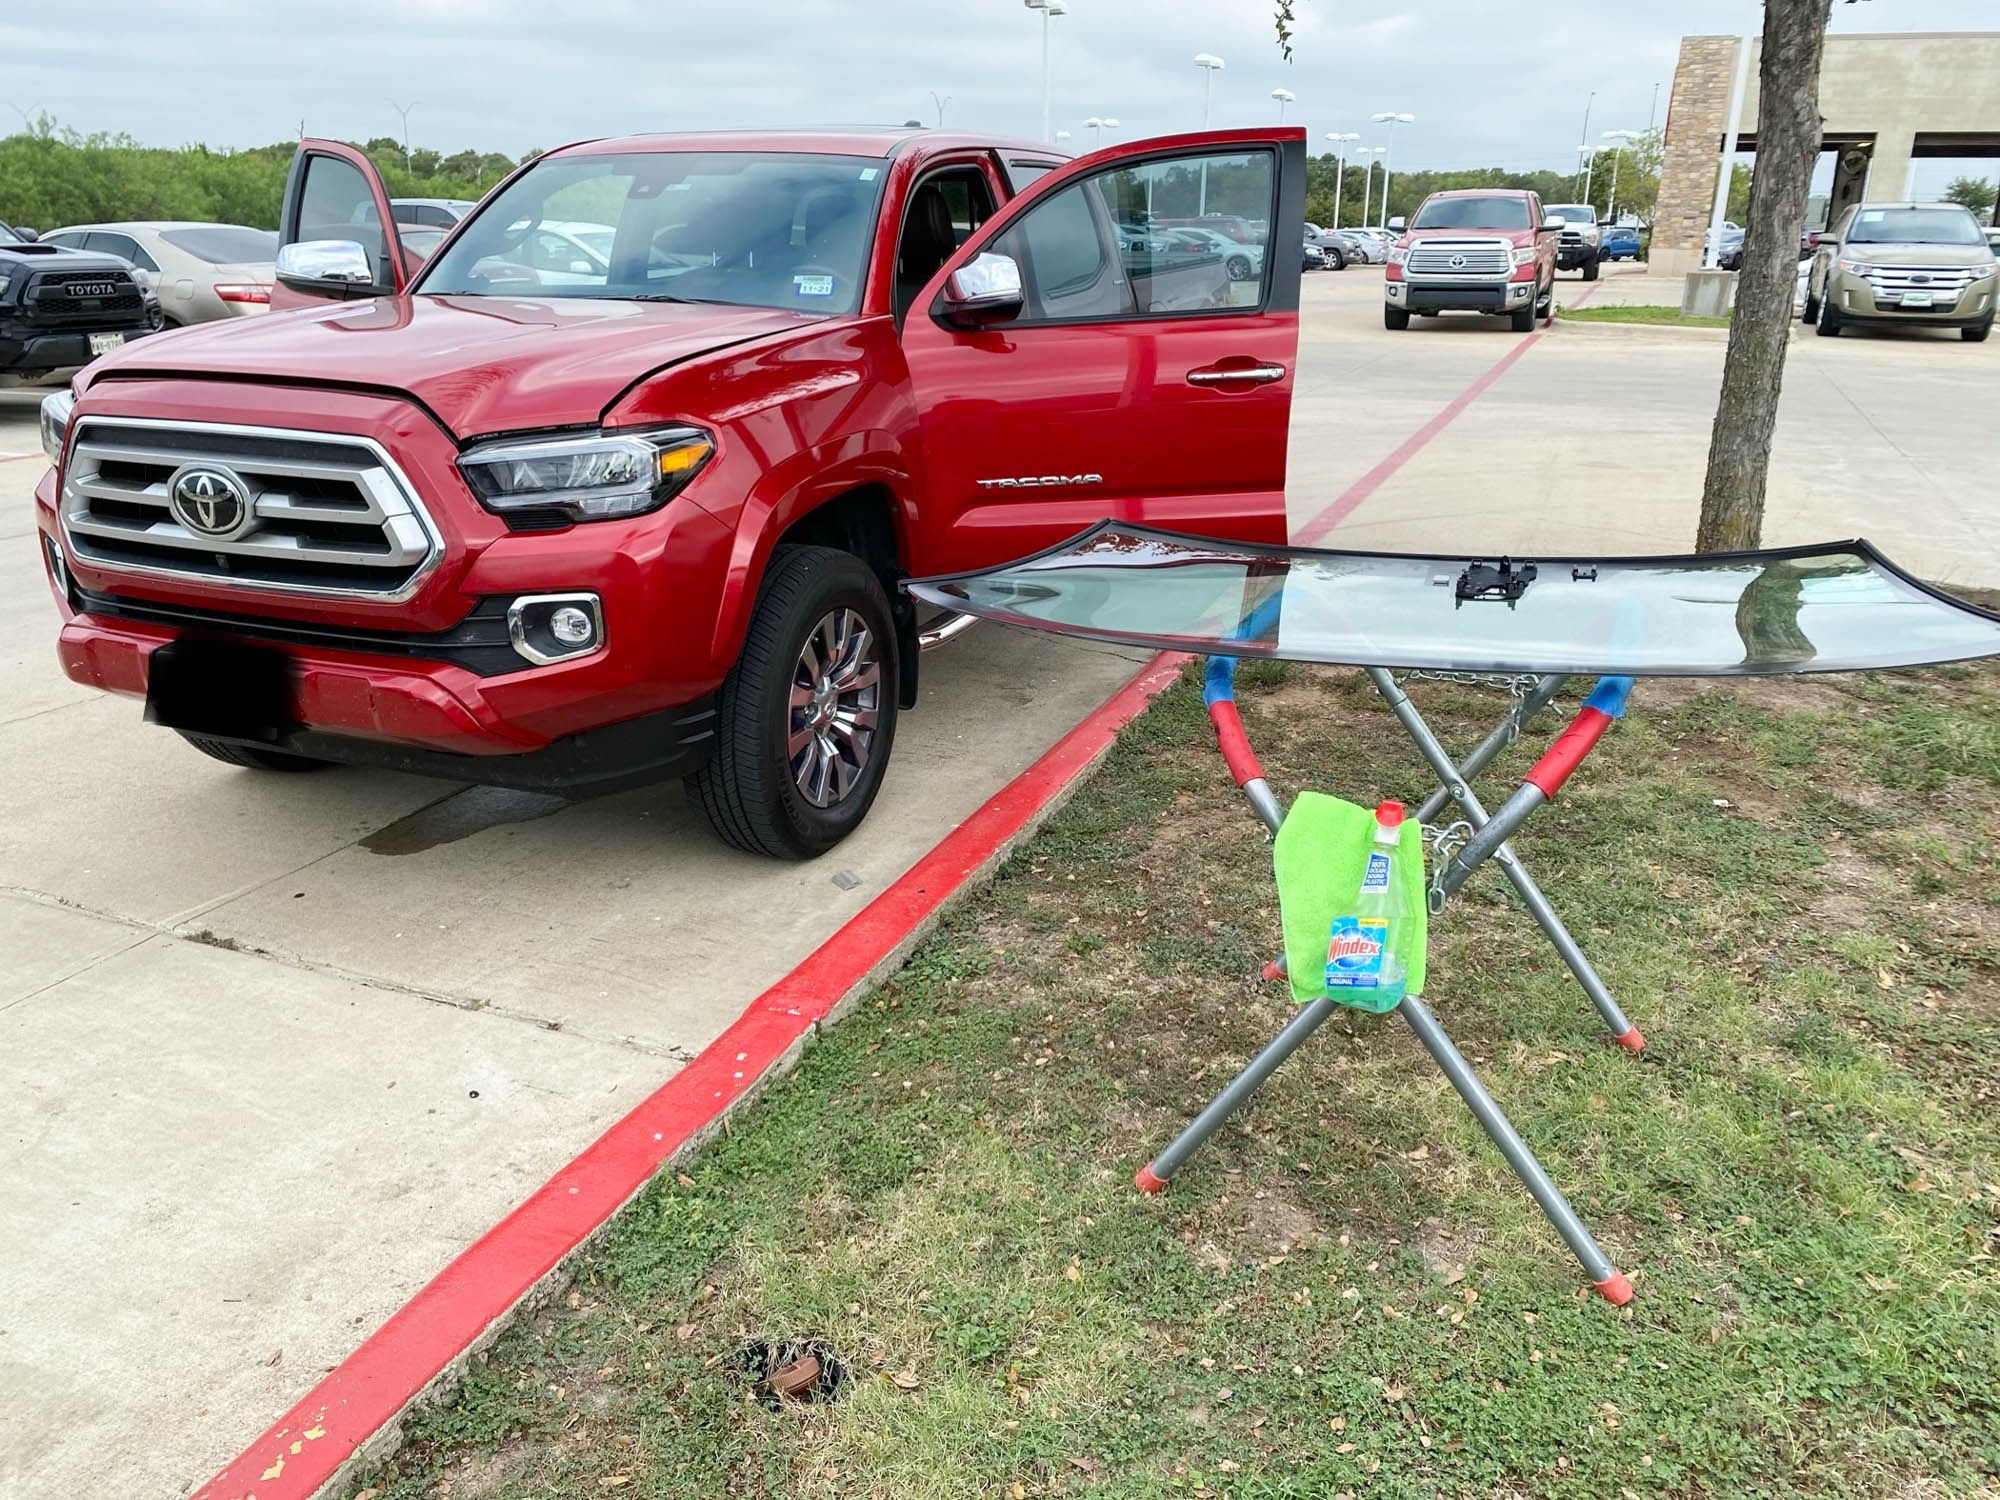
(747, 228)
(1914, 226)
(1472, 213)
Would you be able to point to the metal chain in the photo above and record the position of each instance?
(1445, 841)
(1516, 685)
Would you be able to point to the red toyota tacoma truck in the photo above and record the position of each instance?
(1487, 250)
(622, 481)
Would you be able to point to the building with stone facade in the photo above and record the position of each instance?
(1884, 101)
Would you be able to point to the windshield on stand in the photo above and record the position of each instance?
(1472, 213)
(749, 228)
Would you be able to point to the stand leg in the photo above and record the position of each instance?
(1504, 734)
(1154, 1175)
(1455, 786)
(1596, 1264)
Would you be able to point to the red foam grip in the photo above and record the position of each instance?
(1272, 970)
(1236, 751)
(1568, 751)
(1631, 1041)
(1616, 1289)
(1146, 1182)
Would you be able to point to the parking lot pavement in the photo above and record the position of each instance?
(273, 1050)
(1596, 438)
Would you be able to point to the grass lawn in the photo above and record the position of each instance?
(1791, 886)
(1640, 313)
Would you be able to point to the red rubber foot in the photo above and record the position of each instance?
(1631, 1041)
(1272, 971)
(1615, 1289)
(1146, 1181)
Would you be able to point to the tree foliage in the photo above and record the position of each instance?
(51, 176)
(1976, 193)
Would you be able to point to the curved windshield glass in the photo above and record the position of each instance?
(1914, 226)
(1472, 213)
(751, 228)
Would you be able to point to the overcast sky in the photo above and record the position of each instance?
(507, 75)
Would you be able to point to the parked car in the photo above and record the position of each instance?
(1621, 242)
(574, 536)
(431, 213)
(61, 308)
(1313, 258)
(1244, 262)
(1729, 257)
(1374, 243)
(1925, 264)
(1488, 250)
(200, 272)
(1580, 243)
(1341, 248)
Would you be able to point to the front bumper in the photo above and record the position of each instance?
(27, 352)
(1569, 257)
(1458, 296)
(1856, 300)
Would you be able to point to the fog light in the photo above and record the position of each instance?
(548, 628)
(57, 569)
(572, 626)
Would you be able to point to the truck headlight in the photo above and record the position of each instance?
(1523, 254)
(57, 409)
(594, 477)
(1399, 255)
(1854, 267)
(1980, 273)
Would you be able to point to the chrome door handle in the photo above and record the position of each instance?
(1254, 374)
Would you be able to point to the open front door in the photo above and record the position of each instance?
(1120, 344)
(334, 197)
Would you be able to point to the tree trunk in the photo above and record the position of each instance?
(1788, 140)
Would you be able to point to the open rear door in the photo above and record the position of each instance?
(334, 196)
(1121, 345)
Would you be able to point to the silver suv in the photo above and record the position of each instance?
(1924, 264)
(1580, 245)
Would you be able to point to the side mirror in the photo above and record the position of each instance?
(1397, 224)
(336, 268)
(985, 290)
(1552, 223)
(30, 235)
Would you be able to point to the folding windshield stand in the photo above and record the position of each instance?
(1461, 848)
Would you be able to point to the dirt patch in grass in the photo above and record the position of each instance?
(1346, 1292)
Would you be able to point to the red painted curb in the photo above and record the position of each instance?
(1408, 449)
(305, 1448)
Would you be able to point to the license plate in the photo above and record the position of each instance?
(1916, 299)
(229, 689)
(104, 343)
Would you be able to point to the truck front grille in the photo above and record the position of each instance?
(1449, 259)
(74, 299)
(1943, 282)
(300, 512)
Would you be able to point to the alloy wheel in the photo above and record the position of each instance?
(835, 707)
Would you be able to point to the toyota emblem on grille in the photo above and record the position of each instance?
(92, 288)
(1458, 262)
(208, 500)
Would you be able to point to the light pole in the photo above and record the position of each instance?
(404, 111)
(1627, 136)
(1061, 136)
(1340, 138)
(1586, 154)
(1284, 97)
(1210, 65)
(1368, 179)
(1048, 8)
(1585, 136)
(1393, 120)
(941, 100)
(1097, 126)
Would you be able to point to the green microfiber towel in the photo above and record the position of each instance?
(1321, 850)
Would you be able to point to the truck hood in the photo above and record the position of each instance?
(1892, 254)
(38, 257)
(480, 364)
(1512, 236)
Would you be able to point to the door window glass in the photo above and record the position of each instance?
(1021, 173)
(336, 203)
(941, 214)
(1186, 234)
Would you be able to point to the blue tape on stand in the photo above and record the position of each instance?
(1609, 696)
(1218, 684)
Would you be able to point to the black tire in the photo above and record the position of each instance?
(750, 792)
(1829, 324)
(1238, 267)
(1335, 261)
(1395, 317)
(1590, 269)
(250, 757)
(1977, 333)
(1810, 312)
(1522, 319)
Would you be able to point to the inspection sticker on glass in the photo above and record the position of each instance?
(813, 286)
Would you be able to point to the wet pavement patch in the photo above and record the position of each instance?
(803, 1370)
(460, 816)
